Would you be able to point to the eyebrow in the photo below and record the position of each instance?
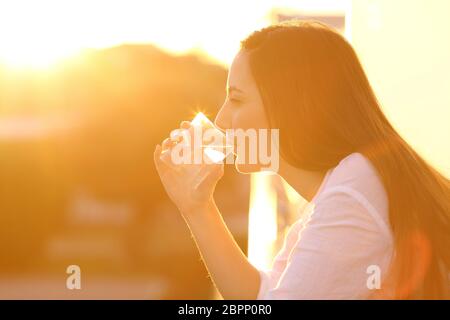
(233, 88)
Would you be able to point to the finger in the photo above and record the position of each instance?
(179, 135)
(160, 165)
(157, 155)
(185, 125)
(175, 140)
(167, 144)
(176, 135)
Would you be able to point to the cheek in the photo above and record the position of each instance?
(249, 117)
(241, 119)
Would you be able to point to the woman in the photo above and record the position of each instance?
(378, 207)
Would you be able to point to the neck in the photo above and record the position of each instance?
(305, 182)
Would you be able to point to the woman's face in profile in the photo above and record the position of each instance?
(243, 107)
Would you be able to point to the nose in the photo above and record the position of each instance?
(222, 120)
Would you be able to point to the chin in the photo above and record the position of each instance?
(253, 168)
(247, 168)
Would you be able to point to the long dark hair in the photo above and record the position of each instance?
(310, 77)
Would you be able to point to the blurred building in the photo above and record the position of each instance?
(78, 184)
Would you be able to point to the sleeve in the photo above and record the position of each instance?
(332, 253)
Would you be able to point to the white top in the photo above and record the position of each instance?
(346, 230)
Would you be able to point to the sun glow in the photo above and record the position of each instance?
(29, 56)
(41, 33)
(31, 34)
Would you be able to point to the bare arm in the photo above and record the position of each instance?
(233, 275)
(230, 270)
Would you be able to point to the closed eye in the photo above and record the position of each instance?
(234, 100)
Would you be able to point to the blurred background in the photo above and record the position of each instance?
(87, 88)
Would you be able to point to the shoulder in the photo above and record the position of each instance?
(355, 174)
(353, 190)
(355, 171)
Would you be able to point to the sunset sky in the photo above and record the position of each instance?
(401, 45)
(40, 33)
